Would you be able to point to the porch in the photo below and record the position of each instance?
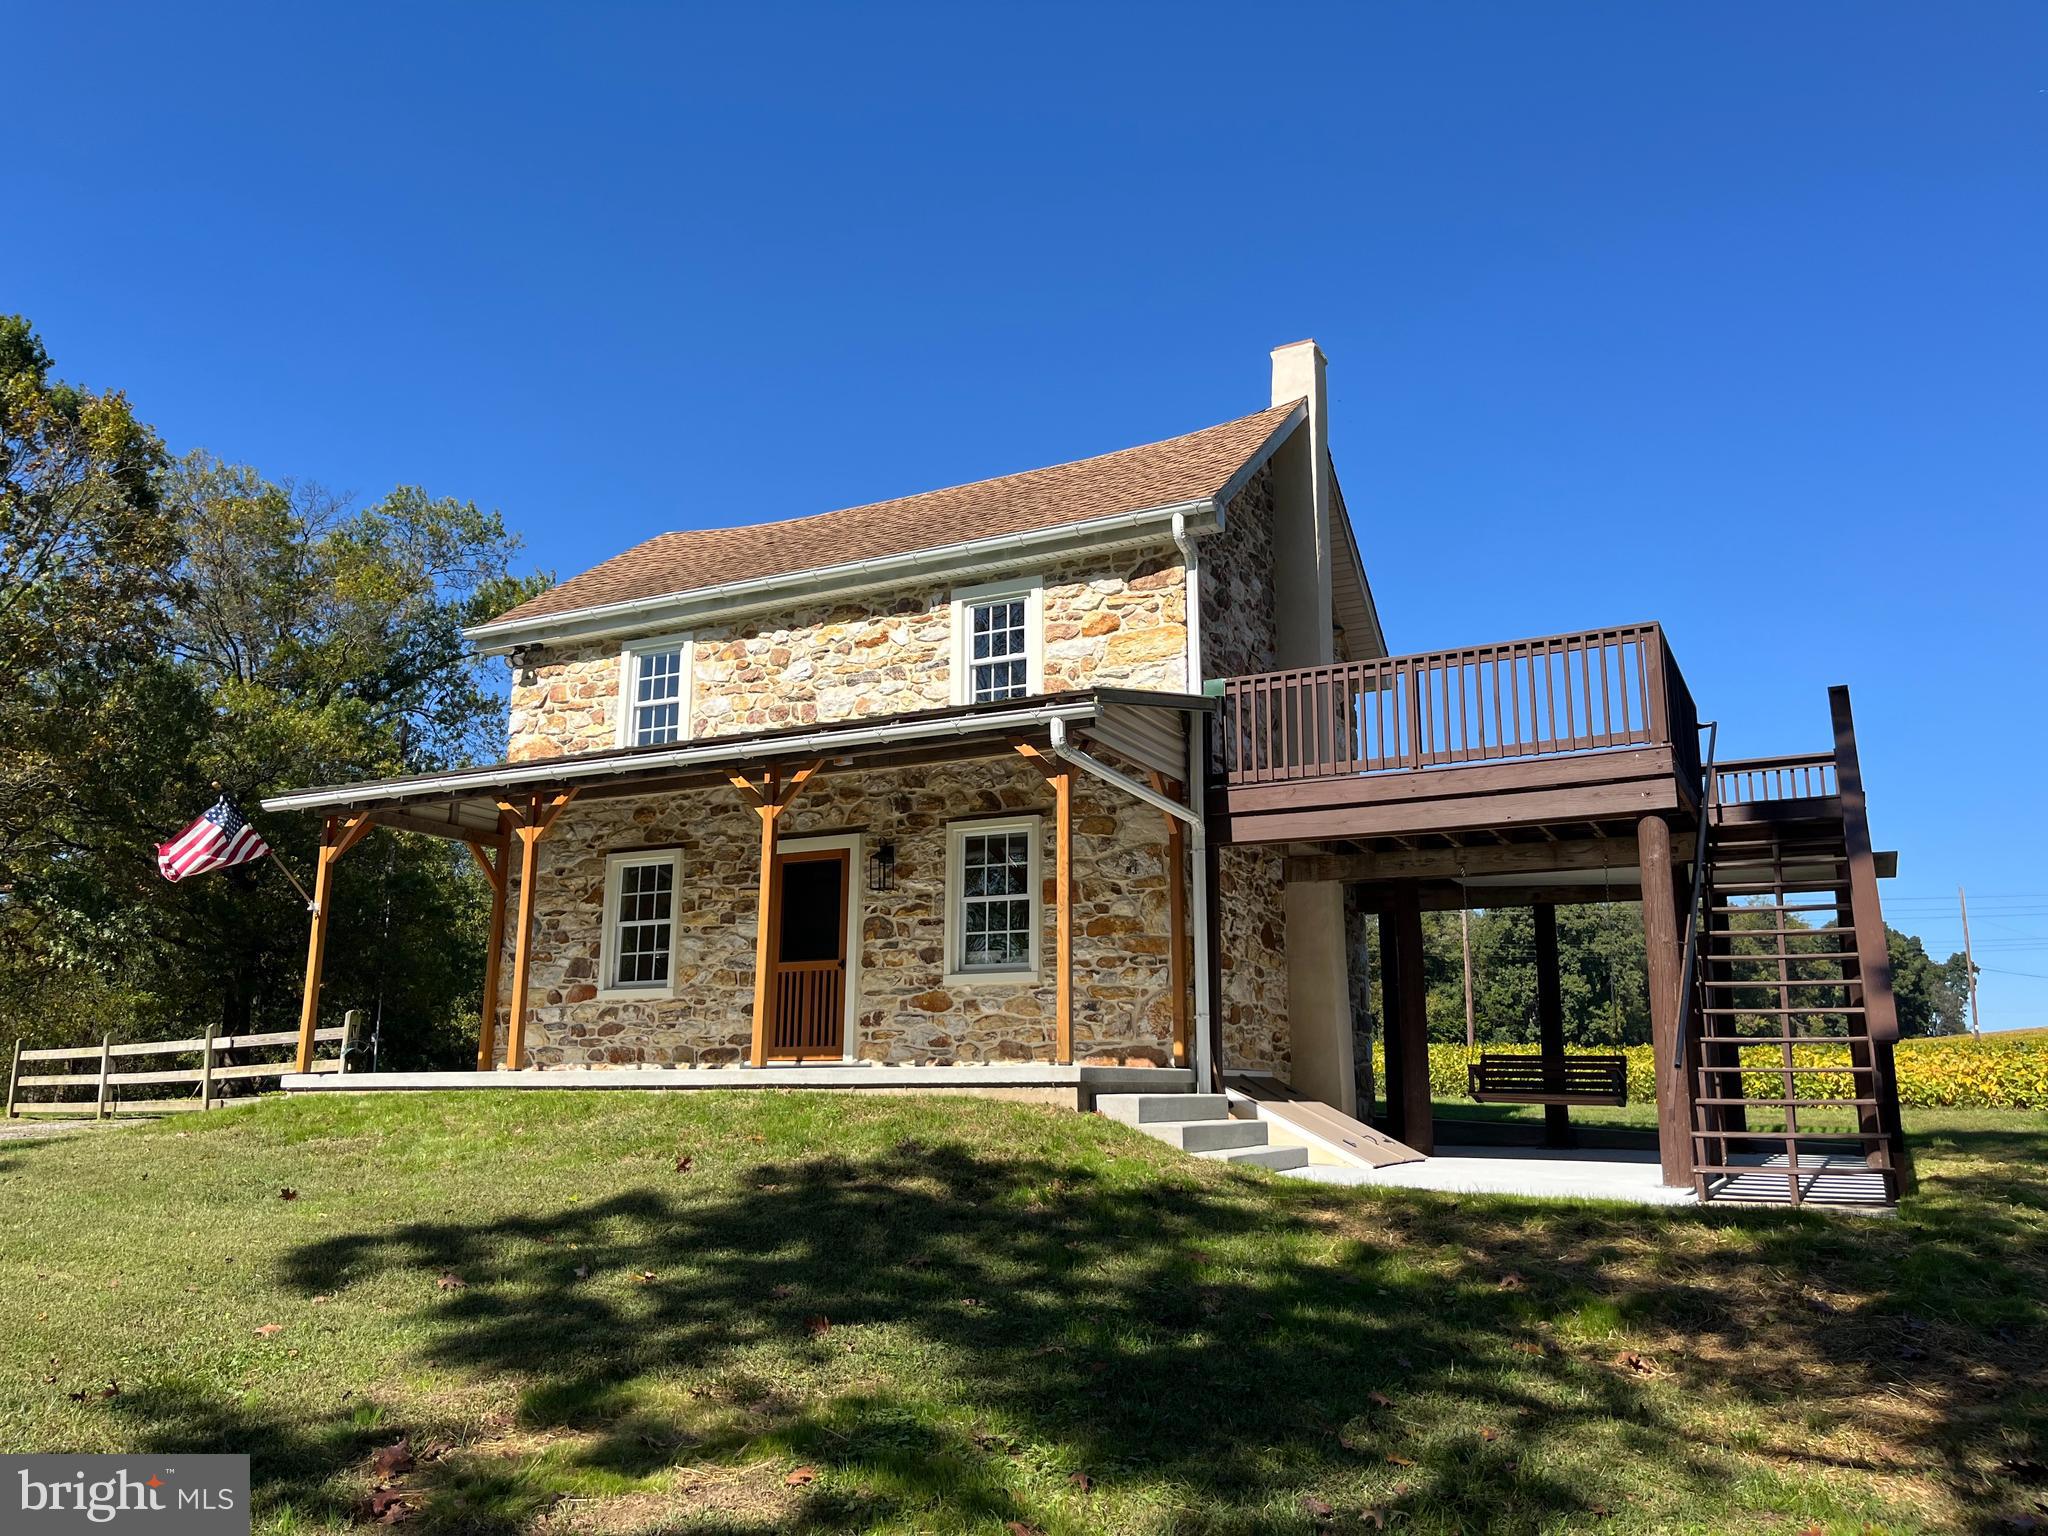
(827, 901)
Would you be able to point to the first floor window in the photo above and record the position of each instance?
(993, 892)
(639, 928)
(654, 693)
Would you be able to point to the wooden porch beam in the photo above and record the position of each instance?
(336, 838)
(531, 822)
(1063, 897)
(768, 804)
(1577, 854)
(497, 874)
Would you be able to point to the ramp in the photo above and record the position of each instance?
(1316, 1122)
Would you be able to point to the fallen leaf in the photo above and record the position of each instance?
(645, 1276)
(270, 1330)
(1019, 1528)
(112, 1389)
(1528, 1349)
(1379, 1399)
(1811, 1528)
(321, 1301)
(582, 1271)
(817, 1327)
(393, 1460)
(685, 1164)
(800, 1477)
(287, 1194)
(1629, 1360)
(1399, 1461)
(451, 1282)
(1513, 1282)
(1318, 1508)
(1376, 1518)
(782, 1292)
(1489, 1433)
(1082, 1481)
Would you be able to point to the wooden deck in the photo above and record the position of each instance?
(1592, 731)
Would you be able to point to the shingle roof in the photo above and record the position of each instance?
(1187, 468)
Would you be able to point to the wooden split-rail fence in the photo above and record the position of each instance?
(97, 1090)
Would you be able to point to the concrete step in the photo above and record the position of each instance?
(1161, 1108)
(1208, 1135)
(1279, 1159)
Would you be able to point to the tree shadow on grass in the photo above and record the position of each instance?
(1079, 1322)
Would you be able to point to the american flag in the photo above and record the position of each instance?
(220, 839)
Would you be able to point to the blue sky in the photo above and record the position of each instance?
(1731, 317)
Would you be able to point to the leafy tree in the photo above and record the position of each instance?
(254, 635)
(1932, 999)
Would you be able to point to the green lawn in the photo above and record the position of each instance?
(912, 1314)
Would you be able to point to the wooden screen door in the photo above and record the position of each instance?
(810, 955)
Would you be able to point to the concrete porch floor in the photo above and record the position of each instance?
(1584, 1173)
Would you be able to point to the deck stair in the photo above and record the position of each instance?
(1779, 968)
(1201, 1124)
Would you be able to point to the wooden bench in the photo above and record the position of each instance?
(1498, 1078)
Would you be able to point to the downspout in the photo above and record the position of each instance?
(1207, 1073)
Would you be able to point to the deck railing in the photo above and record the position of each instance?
(1588, 692)
(1755, 780)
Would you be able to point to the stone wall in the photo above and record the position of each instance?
(1123, 1009)
(1113, 620)
(1240, 627)
(1252, 945)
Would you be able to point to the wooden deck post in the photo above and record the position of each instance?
(1662, 949)
(1407, 1019)
(1063, 897)
(529, 832)
(1557, 1118)
(496, 871)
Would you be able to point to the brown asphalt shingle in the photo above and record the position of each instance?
(1155, 475)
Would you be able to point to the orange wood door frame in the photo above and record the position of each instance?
(810, 1033)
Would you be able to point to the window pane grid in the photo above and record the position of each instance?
(995, 897)
(999, 666)
(641, 934)
(657, 698)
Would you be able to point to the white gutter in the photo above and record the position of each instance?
(1191, 603)
(565, 770)
(603, 620)
(1063, 748)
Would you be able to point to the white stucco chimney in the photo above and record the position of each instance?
(1299, 370)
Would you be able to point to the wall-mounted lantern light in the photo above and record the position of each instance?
(882, 868)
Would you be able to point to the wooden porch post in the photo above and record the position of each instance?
(531, 823)
(335, 840)
(1557, 1118)
(770, 798)
(1408, 1018)
(1063, 896)
(497, 872)
(1661, 947)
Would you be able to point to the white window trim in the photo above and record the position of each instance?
(629, 682)
(957, 833)
(614, 866)
(856, 885)
(1032, 590)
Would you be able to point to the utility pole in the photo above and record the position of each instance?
(1970, 964)
(1465, 934)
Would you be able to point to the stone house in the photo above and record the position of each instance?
(909, 783)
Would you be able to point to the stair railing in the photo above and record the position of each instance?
(1688, 981)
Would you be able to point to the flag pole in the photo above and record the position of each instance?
(286, 872)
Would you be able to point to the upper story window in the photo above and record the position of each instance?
(654, 692)
(996, 650)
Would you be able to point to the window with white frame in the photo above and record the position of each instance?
(640, 923)
(992, 907)
(996, 641)
(654, 692)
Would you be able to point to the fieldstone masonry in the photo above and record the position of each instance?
(1123, 1006)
